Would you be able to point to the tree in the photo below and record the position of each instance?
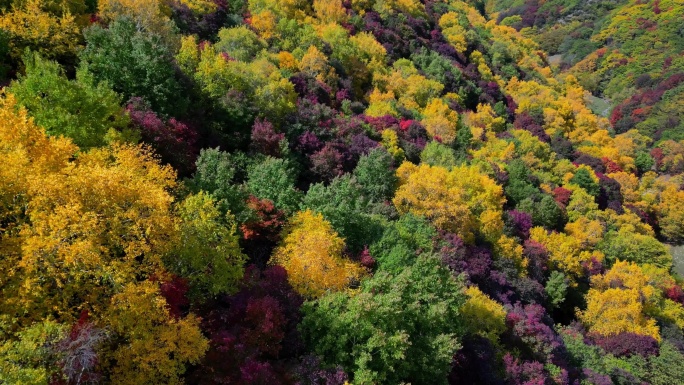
(208, 254)
(31, 357)
(240, 43)
(375, 176)
(30, 26)
(80, 109)
(311, 252)
(274, 179)
(440, 121)
(453, 201)
(399, 328)
(583, 178)
(149, 16)
(218, 173)
(482, 315)
(134, 63)
(437, 154)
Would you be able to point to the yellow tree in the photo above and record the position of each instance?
(460, 201)
(311, 252)
(620, 300)
(87, 234)
(439, 120)
(30, 26)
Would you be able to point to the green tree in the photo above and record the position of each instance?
(134, 63)
(208, 254)
(375, 175)
(437, 154)
(80, 109)
(583, 179)
(401, 328)
(274, 179)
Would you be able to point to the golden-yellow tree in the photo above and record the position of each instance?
(311, 252)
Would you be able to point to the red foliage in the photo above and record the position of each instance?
(267, 223)
(562, 195)
(174, 291)
(611, 166)
(675, 293)
(367, 259)
(173, 140)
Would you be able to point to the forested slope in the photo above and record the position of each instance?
(331, 192)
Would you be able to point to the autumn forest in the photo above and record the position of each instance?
(331, 192)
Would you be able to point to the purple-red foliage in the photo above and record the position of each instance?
(253, 334)
(475, 363)
(675, 293)
(524, 121)
(308, 143)
(627, 344)
(594, 378)
(525, 372)
(310, 372)
(329, 162)
(593, 267)
(595, 163)
(367, 259)
(78, 350)
(361, 145)
(265, 139)
(538, 259)
(529, 328)
(520, 222)
(382, 123)
(610, 195)
(311, 89)
(175, 293)
(173, 140)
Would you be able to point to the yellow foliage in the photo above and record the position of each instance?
(616, 311)
(390, 141)
(311, 252)
(440, 121)
(589, 233)
(330, 11)
(287, 61)
(158, 345)
(453, 31)
(29, 26)
(565, 252)
(315, 63)
(150, 15)
(200, 6)
(452, 200)
(265, 24)
(482, 315)
(381, 104)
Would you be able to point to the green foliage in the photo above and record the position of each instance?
(556, 288)
(375, 176)
(274, 179)
(402, 242)
(208, 254)
(240, 43)
(437, 154)
(583, 179)
(343, 205)
(635, 247)
(544, 212)
(401, 328)
(81, 109)
(30, 358)
(217, 173)
(134, 63)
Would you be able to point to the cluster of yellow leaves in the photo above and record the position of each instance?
(439, 120)
(157, 345)
(86, 233)
(453, 31)
(30, 26)
(461, 201)
(311, 252)
(150, 15)
(566, 252)
(619, 300)
(482, 315)
(330, 11)
(403, 86)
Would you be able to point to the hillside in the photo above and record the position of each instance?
(333, 192)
